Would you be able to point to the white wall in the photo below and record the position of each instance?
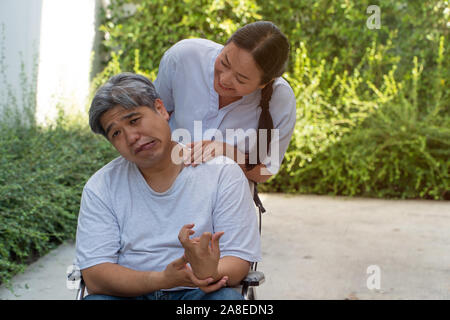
(63, 33)
(67, 38)
(20, 42)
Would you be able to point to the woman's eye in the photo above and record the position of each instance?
(223, 63)
(240, 81)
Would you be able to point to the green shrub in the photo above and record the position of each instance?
(387, 145)
(137, 38)
(350, 82)
(42, 174)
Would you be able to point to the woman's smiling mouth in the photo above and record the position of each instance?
(224, 88)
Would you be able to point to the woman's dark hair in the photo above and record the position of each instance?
(270, 49)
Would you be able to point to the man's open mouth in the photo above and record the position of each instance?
(146, 146)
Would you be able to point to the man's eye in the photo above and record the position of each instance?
(134, 121)
(115, 134)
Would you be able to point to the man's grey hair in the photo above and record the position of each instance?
(127, 90)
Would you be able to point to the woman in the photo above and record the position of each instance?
(206, 86)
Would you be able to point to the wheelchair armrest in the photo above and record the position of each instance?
(253, 279)
(74, 277)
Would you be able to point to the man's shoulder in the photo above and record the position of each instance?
(105, 175)
(226, 169)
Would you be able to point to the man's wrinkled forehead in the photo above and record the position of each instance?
(116, 115)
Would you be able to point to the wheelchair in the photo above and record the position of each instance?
(248, 285)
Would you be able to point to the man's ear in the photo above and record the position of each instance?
(159, 107)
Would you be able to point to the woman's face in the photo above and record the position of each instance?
(236, 73)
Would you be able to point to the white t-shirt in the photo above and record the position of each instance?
(185, 83)
(122, 220)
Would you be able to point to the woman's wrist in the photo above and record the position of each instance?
(234, 154)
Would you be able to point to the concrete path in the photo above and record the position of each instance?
(319, 247)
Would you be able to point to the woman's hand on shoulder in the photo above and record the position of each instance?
(203, 151)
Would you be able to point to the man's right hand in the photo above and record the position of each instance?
(179, 274)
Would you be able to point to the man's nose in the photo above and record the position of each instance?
(132, 135)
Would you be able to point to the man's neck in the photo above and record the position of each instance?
(162, 176)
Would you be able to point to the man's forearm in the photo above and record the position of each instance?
(235, 268)
(116, 280)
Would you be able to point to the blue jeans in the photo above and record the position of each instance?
(188, 294)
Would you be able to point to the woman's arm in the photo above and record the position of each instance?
(258, 174)
(205, 150)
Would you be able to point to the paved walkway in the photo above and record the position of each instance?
(319, 247)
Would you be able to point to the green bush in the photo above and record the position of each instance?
(387, 145)
(350, 83)
(373, 112)
(137, 38)
(42, 174)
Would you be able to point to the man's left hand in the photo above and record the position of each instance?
(203, 253)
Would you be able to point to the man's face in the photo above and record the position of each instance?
(141, 135)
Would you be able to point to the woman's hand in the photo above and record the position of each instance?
(203, 151)
(206, 150)
(203, 256)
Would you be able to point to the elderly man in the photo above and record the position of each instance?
(139, 211)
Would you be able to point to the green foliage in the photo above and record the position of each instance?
(42, 174)
(139, 32)
(351, 84)
(352, 138)
(373, 112)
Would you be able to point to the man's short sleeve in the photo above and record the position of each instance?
(234, 213)
(98, 236)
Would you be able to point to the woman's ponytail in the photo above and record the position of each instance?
(265, 123)
(270, 49)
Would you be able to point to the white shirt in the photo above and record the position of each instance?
(185, 84)
(123, 220)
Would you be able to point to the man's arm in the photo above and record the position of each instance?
(115, 280)
(235, 268)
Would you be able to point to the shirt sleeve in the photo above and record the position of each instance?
(164, 80)
(234, 213)
(98, 236)
(283, 110)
